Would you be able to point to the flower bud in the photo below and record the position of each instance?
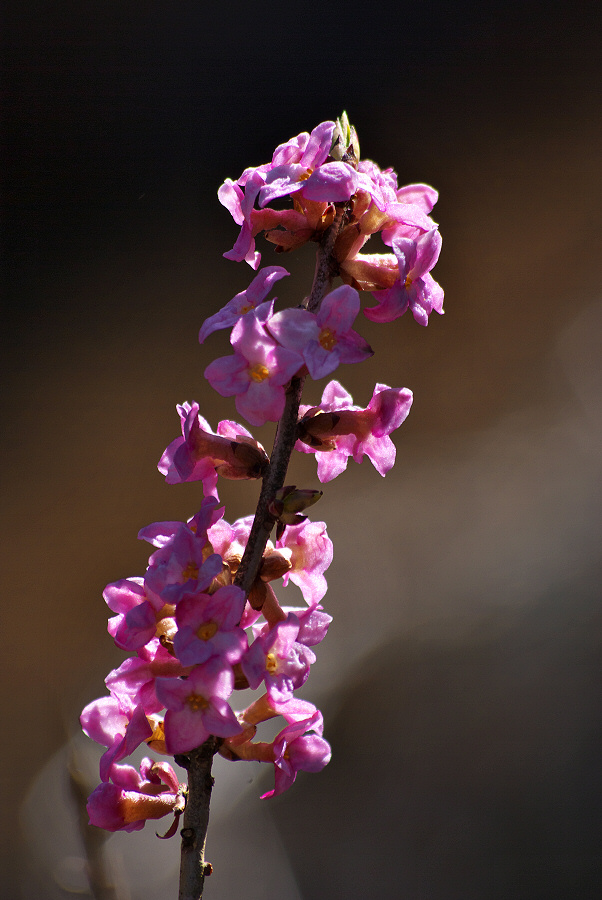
(345, 143)
(291, 500)
(287, 505)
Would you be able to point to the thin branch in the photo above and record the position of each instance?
(193, 867)
(286, 434)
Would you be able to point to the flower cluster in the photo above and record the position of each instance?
(323, 169)
(195, 634)
(197, 638)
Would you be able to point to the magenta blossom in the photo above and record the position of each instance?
(181, 566)
(161, 533)
(137, 730)
(278, 659)
(302, 167)
(130, 798)
(415, 287)
(116, 725)
(178, 467)
(240, 205)
(313, 624)
(136, 621)
(298, 748)
(346, 430)
(133, 682)
(202, 455)
(326, 338)
(311, 554)
(105, 718)
(257, 372)
(294, 163)
(391, 209)
(197, 706)
(208, 626)
(244, 302)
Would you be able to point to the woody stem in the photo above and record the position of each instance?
(286, 433)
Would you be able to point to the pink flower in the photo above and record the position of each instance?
(396, 213)
(313, 624)
(337, 430)
(294, 162)
(138, 730)
(208, 626)
(240, 206)
(105, 718)
(133, 682)
(245, 301)
(136, 621)
(257, 372)
(197, 707)
(181, 565)
(325, 339)
(130, 798)
(161, 533)
(303, 168)
(118, 727)
(392, 207)
(200, 454)
(311, 555)
(415, 287)
(296, 749)
(421, 195)
(278, 659)
(178, 466)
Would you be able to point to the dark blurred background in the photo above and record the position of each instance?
(459, 678)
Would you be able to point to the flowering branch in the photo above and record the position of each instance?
(205, 620)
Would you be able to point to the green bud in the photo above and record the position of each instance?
(289, 503)
(345, 144)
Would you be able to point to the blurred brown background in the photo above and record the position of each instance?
(459, 678)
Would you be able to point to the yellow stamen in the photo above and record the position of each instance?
(206, 631)
(327, 339)
(197, 702)
(271, 663)
(191, 571)
(259, 373)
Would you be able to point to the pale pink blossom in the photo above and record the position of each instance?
(257, 372)
(414, 287)
(337, 429)
(323, 339)
(243, 302)
(197, 706)
(130, 798)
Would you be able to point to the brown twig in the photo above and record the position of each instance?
(193, 866)
(286, 433)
